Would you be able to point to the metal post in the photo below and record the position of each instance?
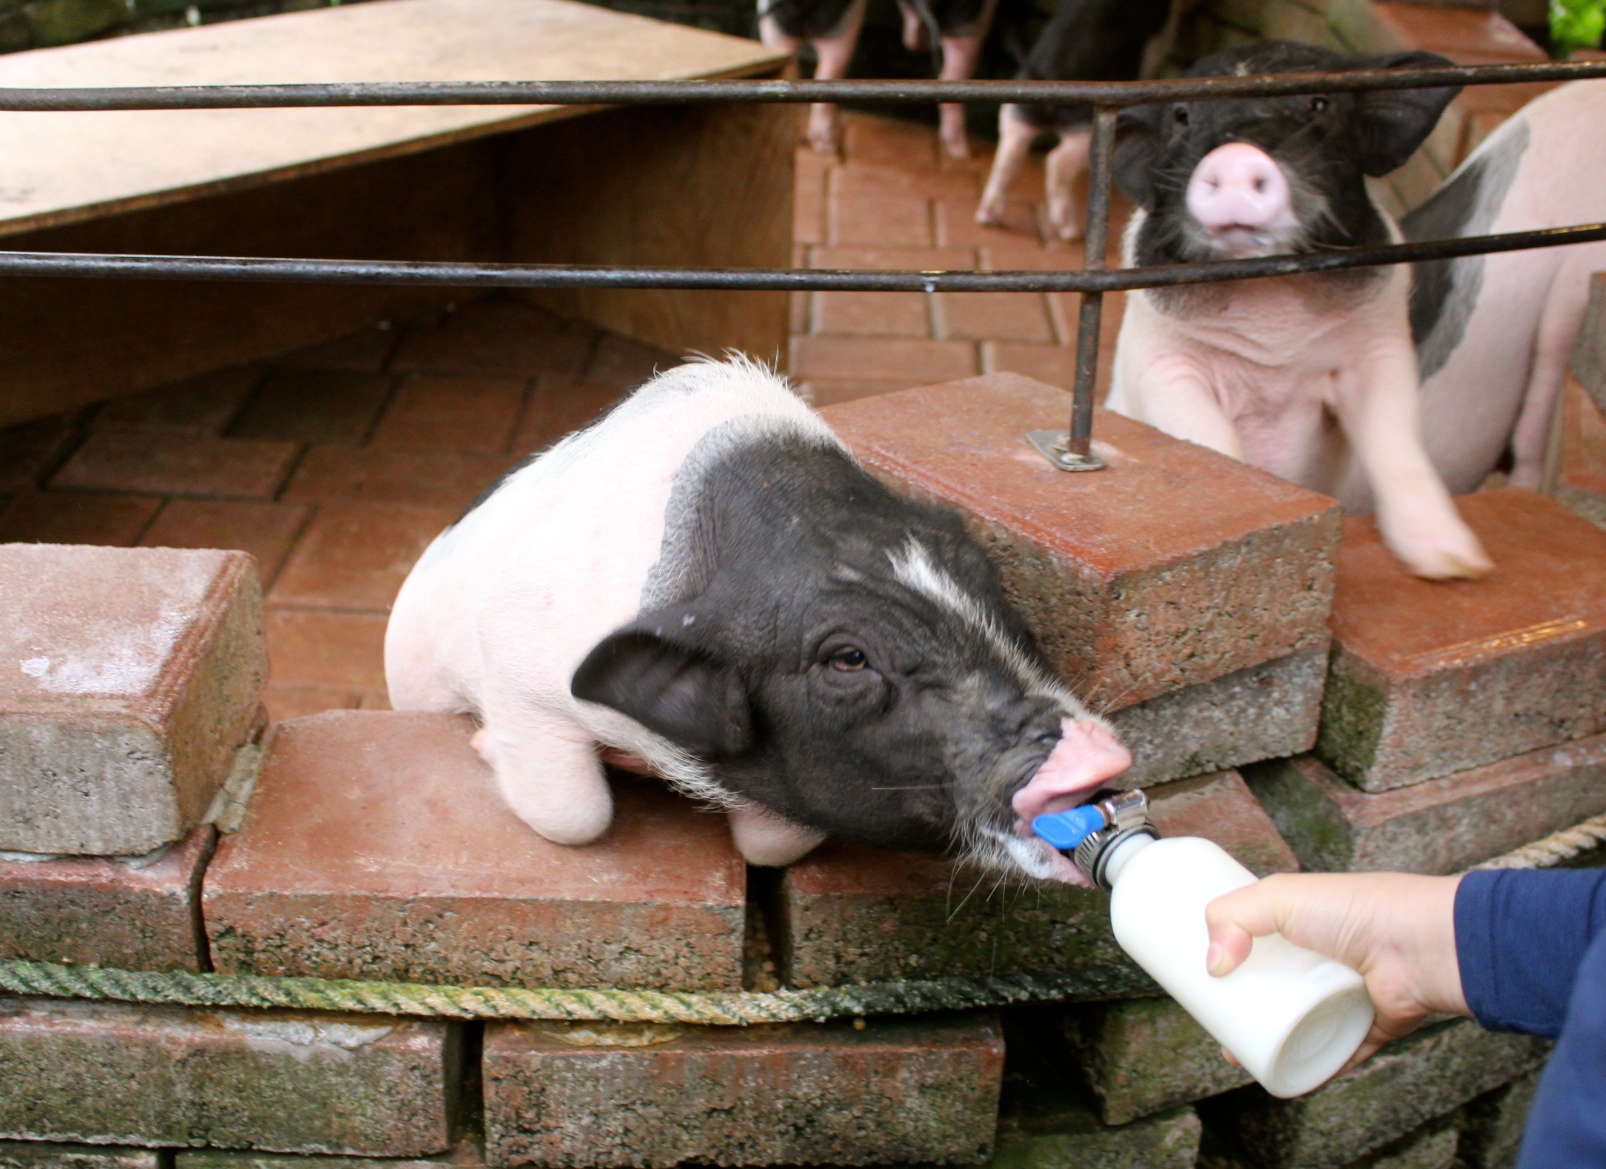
(1073, 450)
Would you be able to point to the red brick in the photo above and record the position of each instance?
(455, 412)
(881, 359)
(621, 364)
(1173, 566)
(1465, 35)
(356, 555)
(134, 914)
(366, 351)
(1441, 825)
(496, 337)
(171, 462)
(877, 314)
(288, 702)
(265, 530)
(379, 847)
(829, 391)
(895, 259)
(957, 227)
(30, 451)
(852, 914)
(288, 1082)
(329, 474)
(1006, 316)
(140, 673)
(1583, 451)
(199, 405)
(76, 517)
(315, 405)
(878, 141)
(310, 647)
(898, 220)
(1433, 678)
(557, 406)
(921, 1091)
(857, 180)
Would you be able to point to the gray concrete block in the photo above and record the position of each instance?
(49, 1155)
(1261, 712)
(1147, 1055)
(135, 674)
(1441, 826)
(1398, 1090)
(1492, 1125)
(1431, 1147)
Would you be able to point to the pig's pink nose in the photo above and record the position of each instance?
(1086, 757)
(1238, 185)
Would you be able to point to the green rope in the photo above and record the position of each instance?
(713, 1008)
(709, 1008)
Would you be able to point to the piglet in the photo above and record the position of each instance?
(958, 28)
(1312, 377)
(832, 27)
(707, 583)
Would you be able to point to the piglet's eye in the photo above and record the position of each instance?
(849, 659)
(1180, 115)
(1318, 104)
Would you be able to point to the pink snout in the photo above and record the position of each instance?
(1086, 758)
(1240, 186)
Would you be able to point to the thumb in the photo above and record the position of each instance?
(1236, 919)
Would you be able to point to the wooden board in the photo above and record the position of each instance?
(66, 167)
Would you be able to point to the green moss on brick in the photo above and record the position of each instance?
(1352, 724)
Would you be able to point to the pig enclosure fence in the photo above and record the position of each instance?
(1070, 451)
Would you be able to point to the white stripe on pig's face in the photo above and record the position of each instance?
(847, 660)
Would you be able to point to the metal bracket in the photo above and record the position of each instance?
(1054, 445)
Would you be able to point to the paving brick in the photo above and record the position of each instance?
(76, 517)
(922, 1090)
(500, 337)
(443, 478)
(265, 530)
(621, 364)
(556, 406)
(48, 1155)
(198, 405)
(1009, 316)
(883, 314)
(824, 391)
(171, 462)
(1432, 678)
(140, 674)
(1174, 566)
(889, 142)
(310, 647)
(893, 259)
(280, 1081)
(1589, 358)
(464, 1154)
(853, 914)
(956, 226)
(137, 913)
(378, 847)
(1440, 826)
(1260, 712)
(315, 405)
(455, 412)
(1583, 449)
(366, 351)
(30, 451)
(1396, 1091)
(1148, 1055)
(899, 220)
(878, 358)
(1491, 1125)
(1457, 33)
(356, 555)
(858, 180)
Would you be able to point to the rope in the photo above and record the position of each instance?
(708, 1008)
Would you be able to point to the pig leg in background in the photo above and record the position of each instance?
(1067, 162)
(1378, 408)
(835, 52)
(960, 52)
(767, 840)
(550, 775)
(1559, 325)
(1015, 136)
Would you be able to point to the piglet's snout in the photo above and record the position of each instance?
(1086, 757)
(1238, 185)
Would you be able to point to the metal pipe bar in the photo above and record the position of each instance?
(1101, 164)
(458, 93)
(453, 274)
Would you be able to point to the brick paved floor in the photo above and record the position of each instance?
(336, 464)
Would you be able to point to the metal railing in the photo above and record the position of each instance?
(1070, 451)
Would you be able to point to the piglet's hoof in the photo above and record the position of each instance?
(990, 213)
(1450, 554)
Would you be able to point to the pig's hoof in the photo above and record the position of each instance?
(956, 146)
(1453, 560)
(826, 141)
(990, 215)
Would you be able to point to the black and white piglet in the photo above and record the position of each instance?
(707, 583)
(1312, 377)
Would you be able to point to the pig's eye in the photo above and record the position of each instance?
(1318, 104)
(849, 659)
(1180, 115)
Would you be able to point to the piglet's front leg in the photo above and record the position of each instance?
(1172, 394)
(1378, 406)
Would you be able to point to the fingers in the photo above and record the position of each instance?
(1236, 919)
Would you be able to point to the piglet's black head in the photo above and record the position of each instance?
(1323, 145)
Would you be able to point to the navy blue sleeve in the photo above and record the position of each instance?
(1520, 939)
(1567, 1125)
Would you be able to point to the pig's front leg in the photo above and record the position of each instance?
(1378, 406)
(1066, 164)
(549, 773)
(767, 840)
(1171, 393)
(835, 54)
(1015, 136)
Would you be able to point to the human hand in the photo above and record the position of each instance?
(1396, 929)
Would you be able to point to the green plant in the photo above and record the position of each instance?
(1576, 24)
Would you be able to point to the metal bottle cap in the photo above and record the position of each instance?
(1096, 829)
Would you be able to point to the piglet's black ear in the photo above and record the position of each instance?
(669, 686)
(1394, 122)
(1137, 150)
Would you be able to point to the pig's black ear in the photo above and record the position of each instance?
(1392, 123)
(1137, 150)
(668, 686)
